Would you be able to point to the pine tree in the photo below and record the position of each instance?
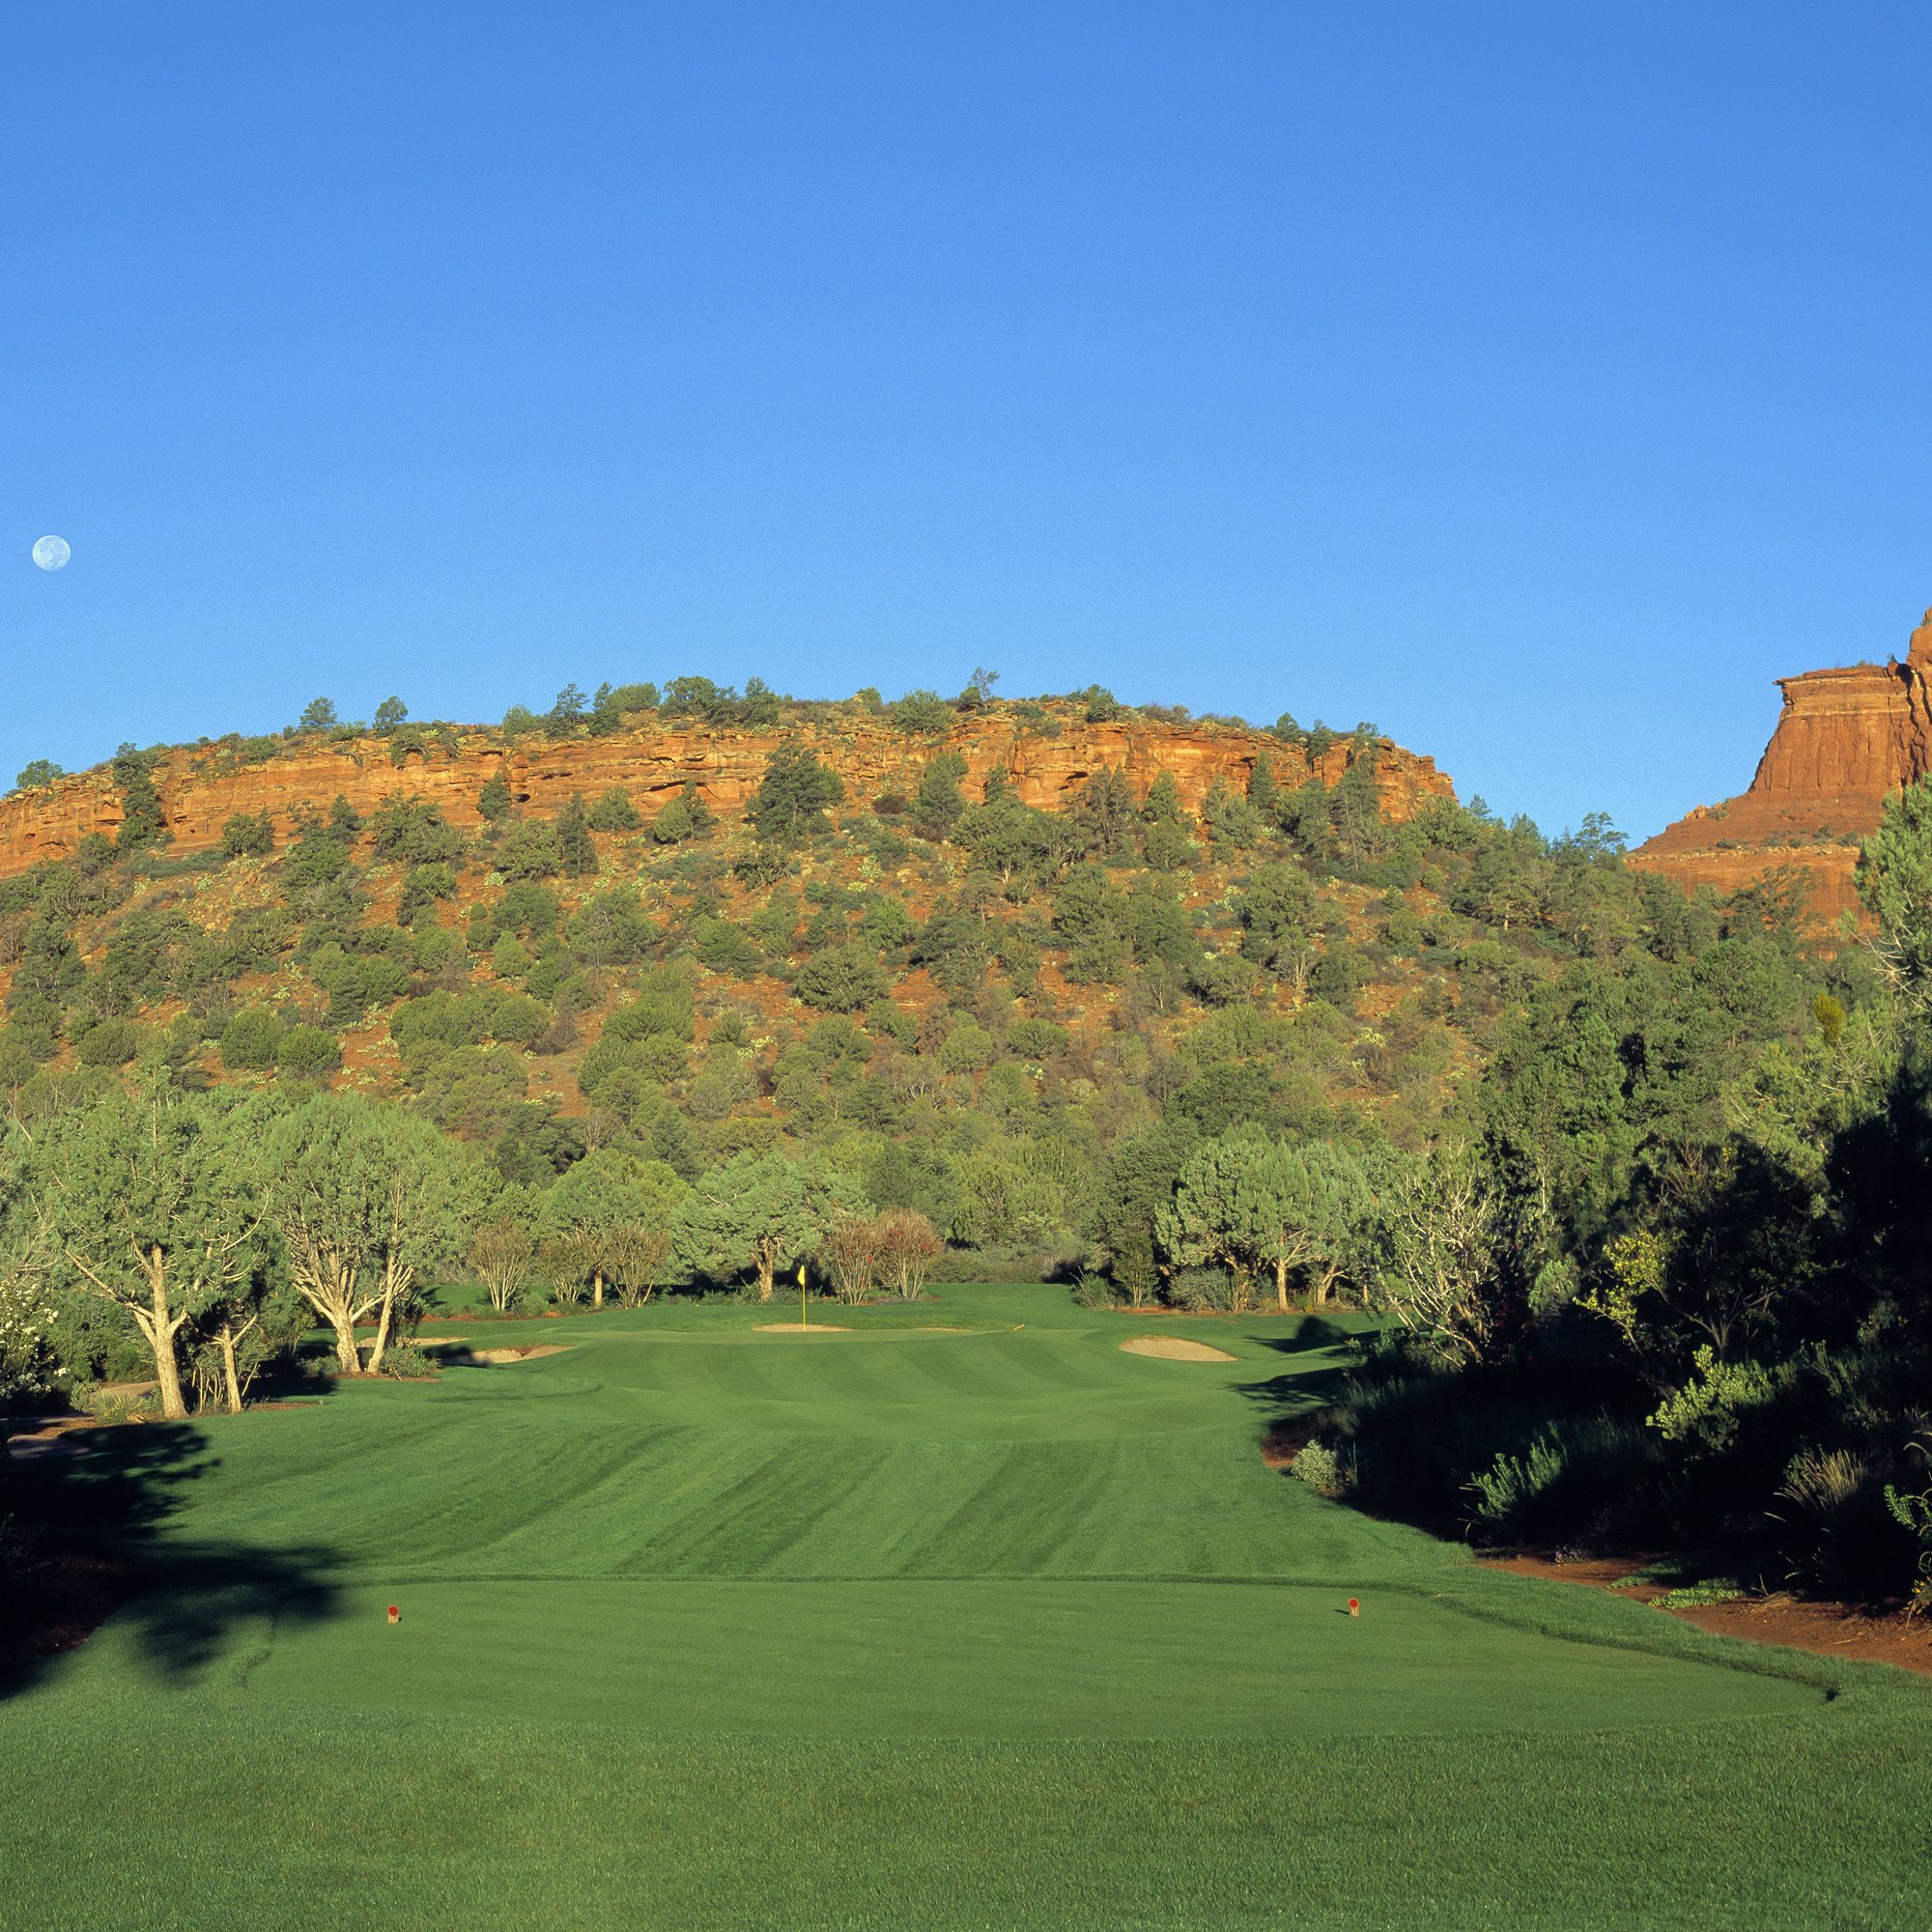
(574, 844)
(142, 820)
(686, 816)
(793, 795)
(1264, 793)
(613, 812)
(494, 801)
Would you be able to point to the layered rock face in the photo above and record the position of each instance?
(1845, 741)
(202, 790)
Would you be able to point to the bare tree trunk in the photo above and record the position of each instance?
(1281, 1282)
(397, 1277)
(228, 1341)
(347, 1357)
(765, 1270)
(383, 1327)
(161, 1332)
(328, 1287)
(597, 1287)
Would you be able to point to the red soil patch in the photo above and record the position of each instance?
(1825, 1628)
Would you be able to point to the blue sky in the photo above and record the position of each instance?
(1537, 382)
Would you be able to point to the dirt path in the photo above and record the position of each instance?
(1828, 1630)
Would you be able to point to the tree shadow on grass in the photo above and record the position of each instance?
(1289, 1400)
(82, 1540)
(1315, 1334)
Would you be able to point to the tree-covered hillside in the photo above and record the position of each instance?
(1586, 1141)
(969, 1003)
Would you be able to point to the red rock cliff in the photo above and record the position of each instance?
(1845, 741)
(201, 790)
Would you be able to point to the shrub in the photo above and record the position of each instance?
(423, 887)
(921, 713)
(851, 1254)
(1094, 1291)
(1506, 1493)
(1836, 1533)
(1914, 1514)
(1573, 1477)
(1206, 1289)
(577, 851)
(1322, 1469)
(613, 812)
(248, 1041)
(612, 929)
(908, 1247)
(110, 1043)
(414, 832)
(530, 851)
(686, 816)
(939, 804)
(247, 836)
(1037, 1039)
(308, 1050)
(760, 865)
(840, 979)
(495, 801)
(967, 1049)
(407, 1362)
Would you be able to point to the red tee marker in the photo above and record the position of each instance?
(395, 1615)
(1354, 1609)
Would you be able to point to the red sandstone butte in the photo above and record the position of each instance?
(1846, 740)
(201, 790)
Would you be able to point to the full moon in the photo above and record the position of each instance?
(52, 552)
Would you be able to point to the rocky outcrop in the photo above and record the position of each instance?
(201, 790)
(1845, 741)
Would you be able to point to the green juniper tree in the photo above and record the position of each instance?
(153, 1206)
(793, 796)
(366, 1199)
(759, 1213)
(613, 812)
(495, 801)
(576, 850)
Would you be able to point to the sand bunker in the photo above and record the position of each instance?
(482, 1359)
(1172, 1348)
(805, 1328)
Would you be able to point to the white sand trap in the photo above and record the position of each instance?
(1172, 1348)
(803, 1327)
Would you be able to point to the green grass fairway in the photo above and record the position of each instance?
(704, 1627)
(986, 1659)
